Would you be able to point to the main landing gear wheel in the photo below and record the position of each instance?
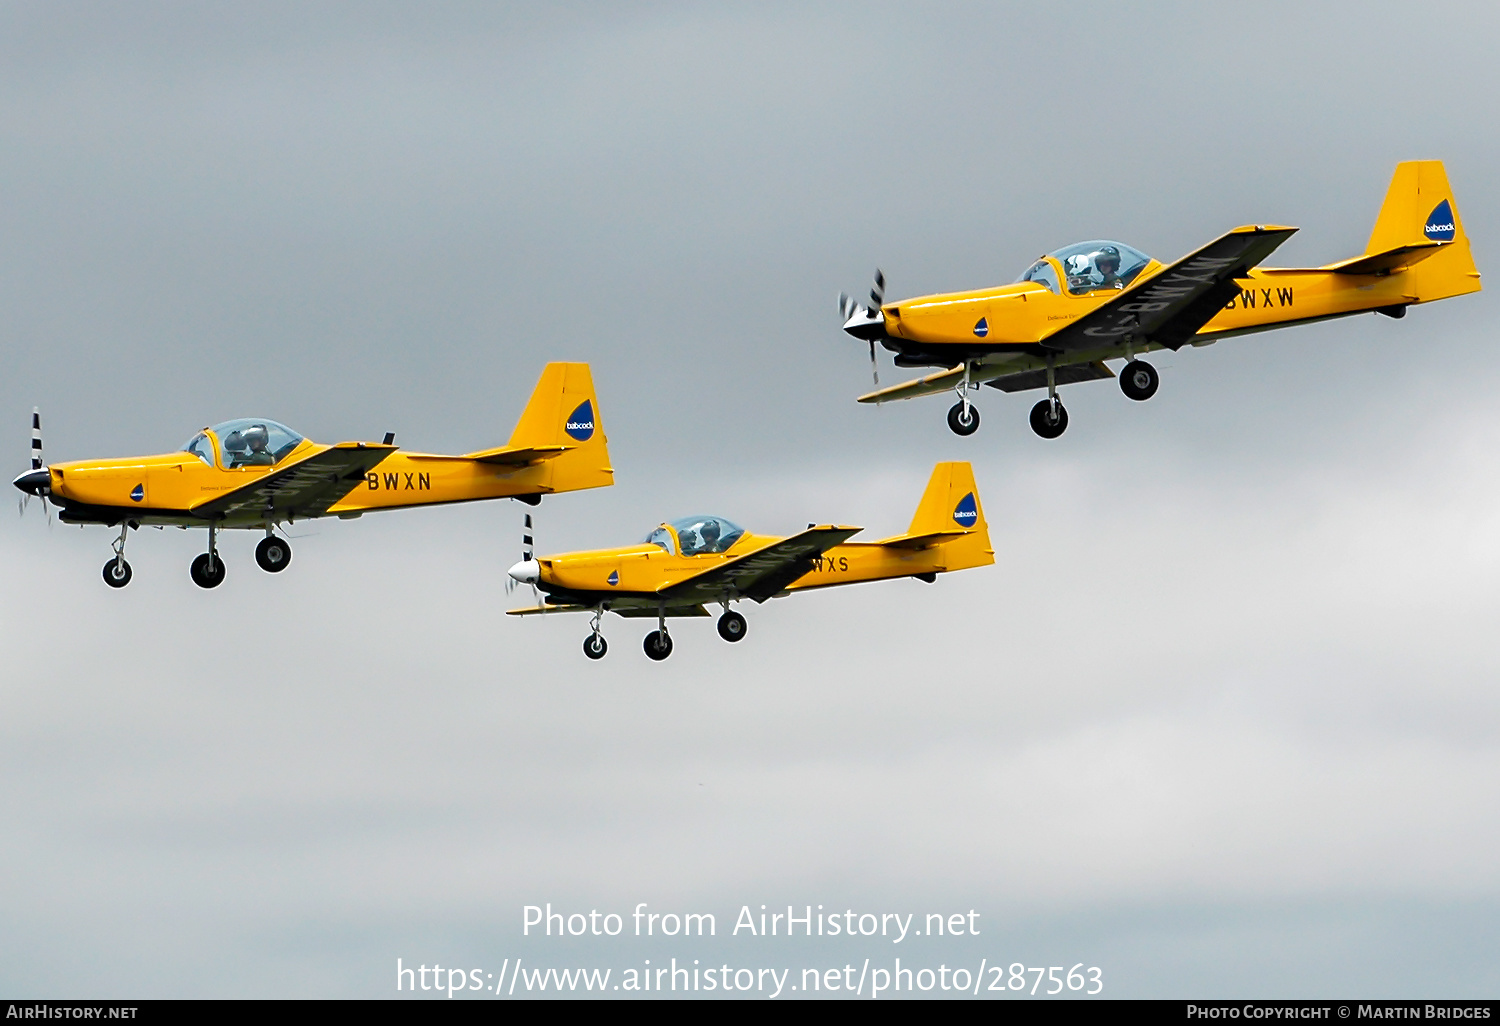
(594, 646)
(273, 555)
(1139, 380)
(1048, 418)
(962, 421)
(732, 626)
(207, 571)
(658, 645)
(117, 573)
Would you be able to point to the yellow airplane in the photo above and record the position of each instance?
(257, 474)
(685, 564)
(1081, 305)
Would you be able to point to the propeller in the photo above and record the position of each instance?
(38, 480)
(524, 572)
(866, 323)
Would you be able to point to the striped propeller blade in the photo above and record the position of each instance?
(36, 438)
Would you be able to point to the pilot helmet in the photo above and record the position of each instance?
(709, 530)
(256, 436)
(235, 442)
(1109, 256)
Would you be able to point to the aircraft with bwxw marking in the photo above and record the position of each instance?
(257, 474)
(685, 565)
(1080, 306)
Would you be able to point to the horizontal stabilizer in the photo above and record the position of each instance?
(921, 541)
(1399, 258)
(518, 456)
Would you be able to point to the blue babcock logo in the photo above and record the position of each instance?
(1440, 224)
(581, 422)
(966, 513)
(982, 328)
(138, 493)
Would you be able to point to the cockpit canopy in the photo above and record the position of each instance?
(1088, 266)
(248, 442)
(696, 536)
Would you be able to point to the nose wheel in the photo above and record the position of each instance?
(594, 646)
(1139, 380)
(1048, 418)
(732, 626)
(963, 419)
(117, 571)
(273, 554)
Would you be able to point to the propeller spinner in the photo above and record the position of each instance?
(866, 322)
(526, 571)
(38, 480)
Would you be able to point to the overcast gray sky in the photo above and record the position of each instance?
(1221, 720)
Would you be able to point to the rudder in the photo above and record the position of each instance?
(564, 410)
(1420, 210)
(950, 502)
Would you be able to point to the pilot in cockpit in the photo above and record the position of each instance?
(709, 532)
(1107, 262)
(247, 448)
(1097, 270)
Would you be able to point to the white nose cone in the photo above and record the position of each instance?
(525, 572)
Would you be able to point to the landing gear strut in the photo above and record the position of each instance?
(658, 644)
(117, 571)
(732, 626)
(273, 554)
(1048, 418)
(963, 418)
(207, 570)
(594, 646)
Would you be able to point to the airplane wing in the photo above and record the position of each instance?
(982, 372)
(931, 384)
(302, 489)
(760, 574)
(1169, 307)
(542, 610)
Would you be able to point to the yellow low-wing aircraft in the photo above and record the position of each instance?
(1081, 305)
(684, 565)
(257, 474)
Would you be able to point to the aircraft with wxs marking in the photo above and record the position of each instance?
(1079, 306)
(684, 565)
(255, 474)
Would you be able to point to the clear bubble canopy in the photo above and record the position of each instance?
(1086, 266)
(247, 442)
(697, 536)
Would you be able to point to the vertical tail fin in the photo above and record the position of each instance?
(949, 521)
(1420, 210)
(563, 410)
(951, 502)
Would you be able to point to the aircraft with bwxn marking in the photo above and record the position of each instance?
(685, 565)
(1077, 307)
(256, 474)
